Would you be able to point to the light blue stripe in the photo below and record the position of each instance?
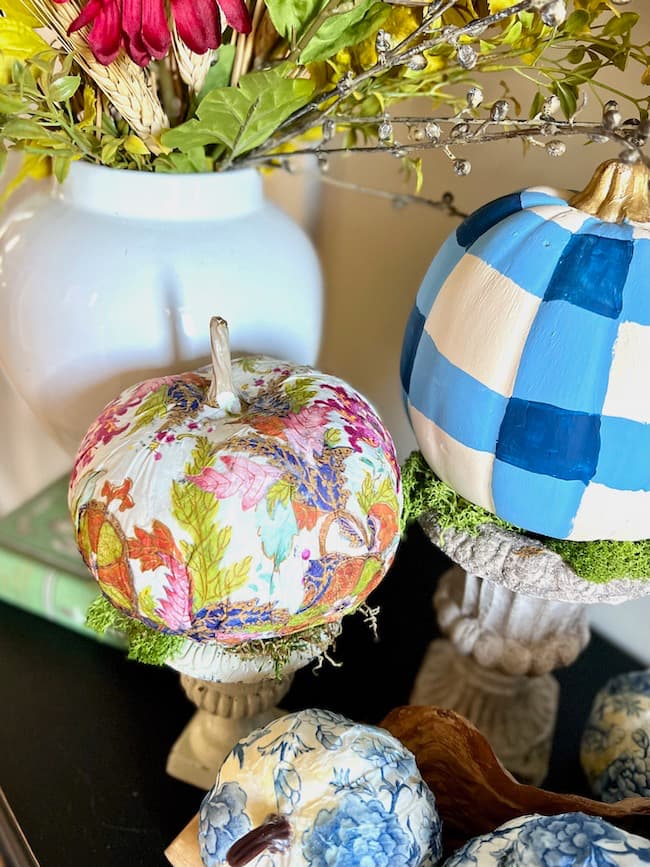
(536, 198)
(525, 248)
(459, 404)
(567, 358)
(440, 268)
(624, 459)
(636, 291)
(619, 231)
(534, 502)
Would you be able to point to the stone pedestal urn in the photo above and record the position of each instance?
(505, 633)
(234, 694)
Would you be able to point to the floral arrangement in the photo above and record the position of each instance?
(201, 85)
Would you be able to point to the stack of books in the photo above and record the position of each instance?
(40, 567)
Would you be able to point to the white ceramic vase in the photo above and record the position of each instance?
(112, 277)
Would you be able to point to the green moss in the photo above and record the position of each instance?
(600, 561)
(424, 492)
(150, 646)
(145, 644)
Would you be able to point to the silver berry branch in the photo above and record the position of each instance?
(409, 52)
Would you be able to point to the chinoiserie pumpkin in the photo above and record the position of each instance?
(525, 360)
(255, 504)
(314, 789)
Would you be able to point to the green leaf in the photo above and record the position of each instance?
(536, 104)
(292, 17)
(10, 104)
(232, 577)
(576, 54)
(243, 117)
(300, 393)
(620, 25)
(279, 492)
(346, 29)
(568, 96)
(513, 33)
(24, 129)
(220, 71)
(576, 23)
(63, 88)
(61, 167)
(155, 404)
(332, 437)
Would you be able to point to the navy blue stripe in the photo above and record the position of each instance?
(489, 215)
(412, 335)
(549, 440)
(591, 273)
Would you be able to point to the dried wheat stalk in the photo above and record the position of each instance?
(124, 83)
(192, 68)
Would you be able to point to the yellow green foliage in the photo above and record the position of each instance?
(50, 110)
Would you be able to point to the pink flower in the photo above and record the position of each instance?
(142, 28)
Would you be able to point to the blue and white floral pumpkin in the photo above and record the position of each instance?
(567, 840)
(615, 750)
(525, 359)
(350, 795)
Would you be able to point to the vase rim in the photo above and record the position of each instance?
(165, 196)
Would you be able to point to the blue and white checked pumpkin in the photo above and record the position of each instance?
(526, 366)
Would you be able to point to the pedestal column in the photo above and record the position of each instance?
(494, 666)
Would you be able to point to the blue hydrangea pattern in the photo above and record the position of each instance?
(567, 840)
(222, 822)
(358, 832)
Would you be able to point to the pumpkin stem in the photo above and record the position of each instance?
(274, 835)
(618, 191)
(222, 392)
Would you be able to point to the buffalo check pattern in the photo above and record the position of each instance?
(552, 431)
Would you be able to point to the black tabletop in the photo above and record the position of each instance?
(84, 733)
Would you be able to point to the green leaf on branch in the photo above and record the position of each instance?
(10, 104)
(621, 25)
(292, 17)
(345, 29)
(242, 117)
(568, 96)
(24, 129)
(220, 71)
(63, 88)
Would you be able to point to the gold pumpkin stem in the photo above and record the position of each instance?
(222, 393)
(618, 191)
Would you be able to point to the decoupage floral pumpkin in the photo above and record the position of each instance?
(252, 512)
(339, 794)
(525, 359)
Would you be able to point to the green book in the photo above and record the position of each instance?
(40, 567)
